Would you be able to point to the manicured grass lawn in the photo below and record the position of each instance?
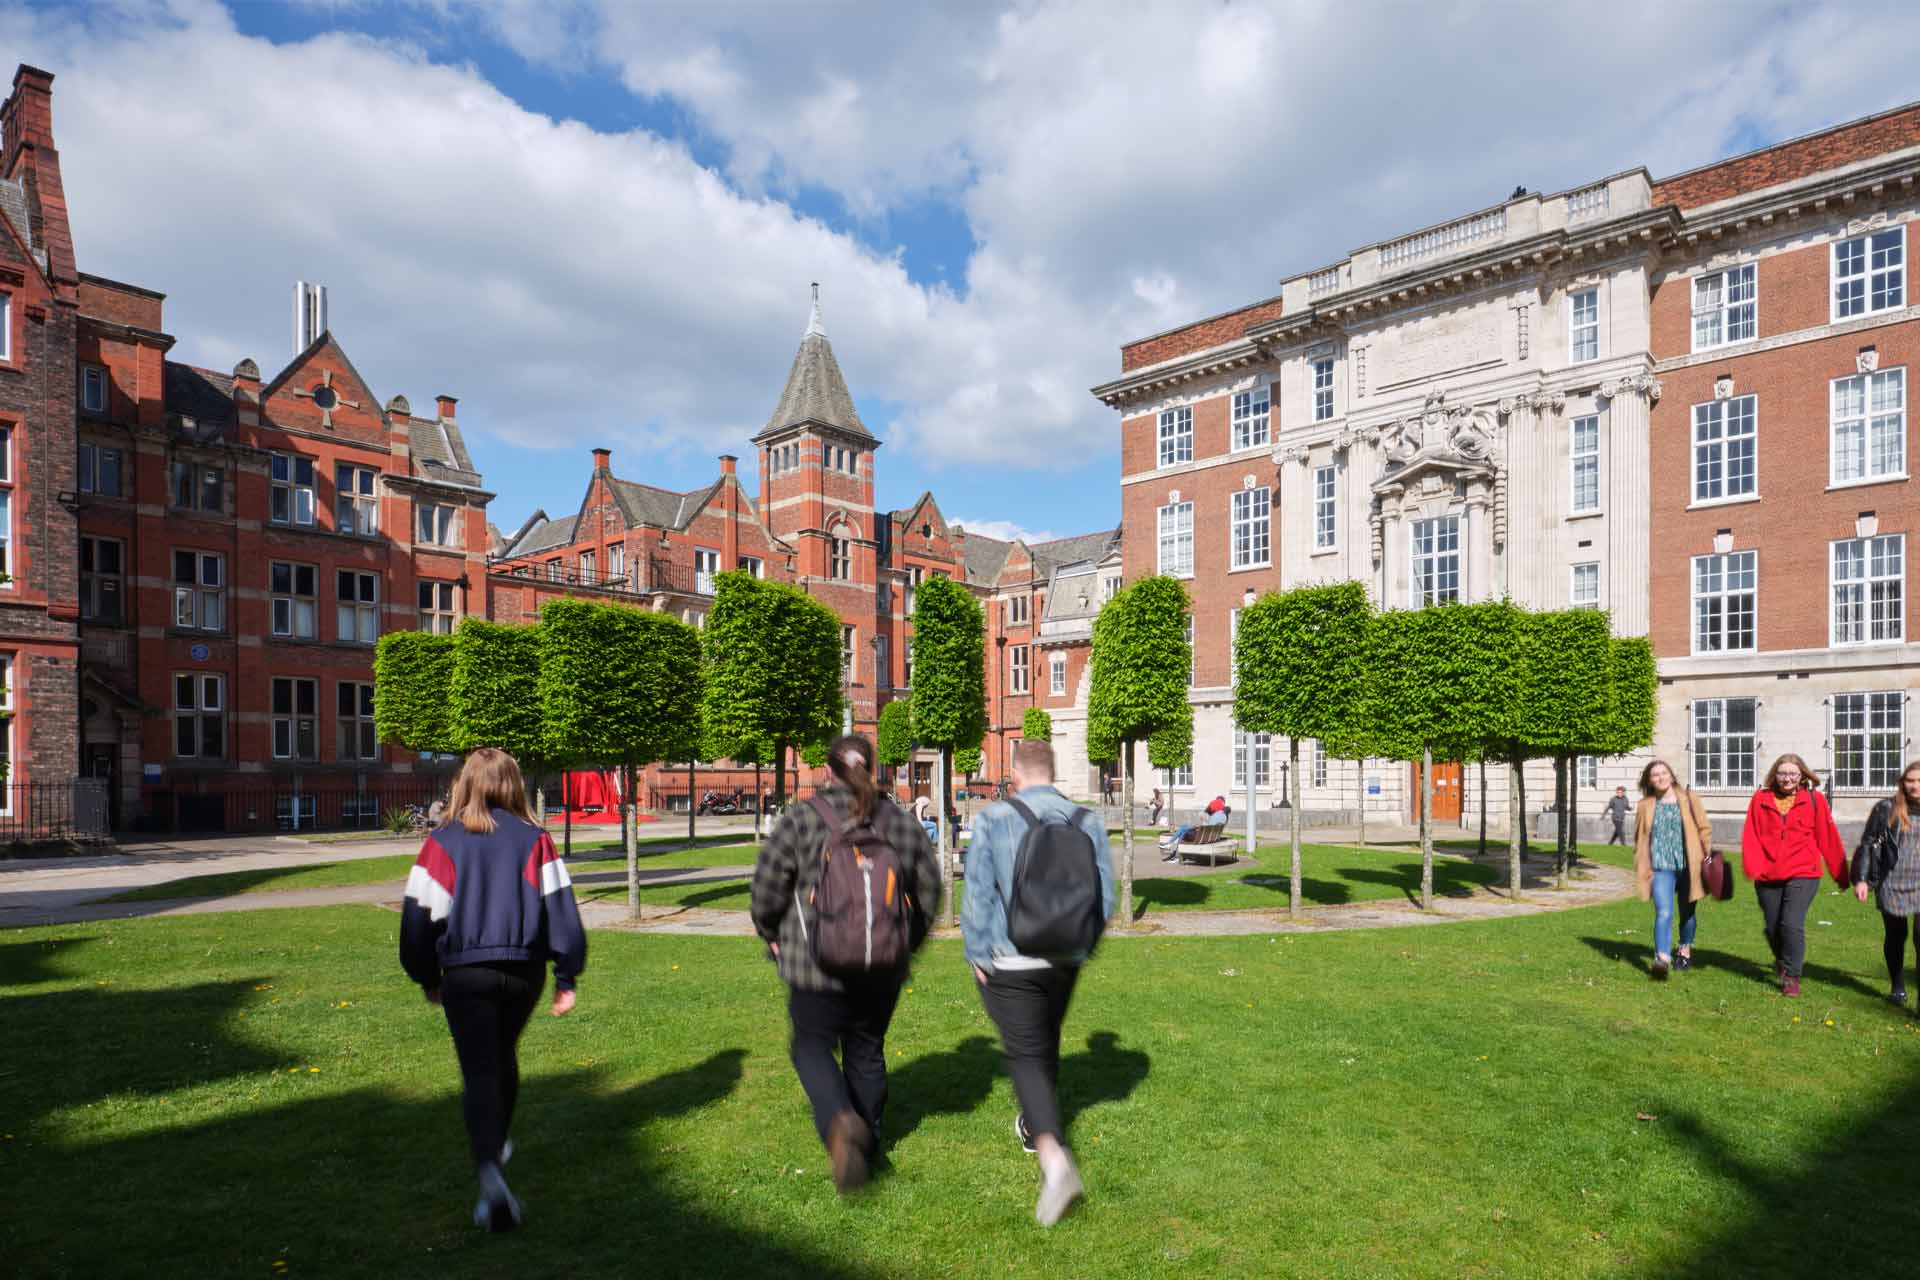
(1329, 876)
(252, 1095)
(381, 870)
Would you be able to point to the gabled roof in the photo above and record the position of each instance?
(816, 392)
(439, 451)
(986, 557)
(200, 394)
(539, 534)
(1066, 551)
(663, 508)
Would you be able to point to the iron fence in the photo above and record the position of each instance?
(73, 810)
(242, 810)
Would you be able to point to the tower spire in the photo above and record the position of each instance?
(814, 326)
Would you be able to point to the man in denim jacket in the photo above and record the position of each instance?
(1027, 997)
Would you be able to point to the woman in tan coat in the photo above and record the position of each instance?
(1670, 841)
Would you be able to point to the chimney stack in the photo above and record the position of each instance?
(309, 314)
(445, 407)
(602, 459)
(728, 464)
(28, 113)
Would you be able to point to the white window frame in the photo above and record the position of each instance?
(437, 524)
(1708, 721)
(1319, 764)
(205, 597)
(356, 506)
(1437, 555)
(1583, 585)
(287, 604)
(1884, 425)
(1586, 773)
(354, 737)
(1250, 540)
(1057, 675)
(206, 699)
(849, 651)
(1724, 568)
(1180, 539)
(1867, 590)
(1019, 674)
(1320, 374)
(1262, 760)
(1583, 331)
(1180, 779)
(439, 602)
(1193, 657)
(93, 388)
(617, 563)
(1326, 508)
(293, 722)
(1252, 417)
(1018, 611)
(589, 568)
(1583, 465)
(6, 326)
(7, 704)
(706, 564)
(283, 477)
(1175, 436)
(1727, 300)
(840, 555)
(754, 566)
(1893, 273)
(1724, 449)
(1868, 732)
(358, 613)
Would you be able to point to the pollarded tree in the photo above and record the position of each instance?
(1563, 698)
(772, 668)
(412, 676)
(893, 743)
(619, 685)
(1141, 661)
(949, 690)
(1627, 726)
(494, 696)
(1300, 669)
(1036, 725)
(966, 762)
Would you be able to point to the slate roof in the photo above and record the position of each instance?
(1086, 546)
(1064, 590)
(663, 508)
(986, 557)
(13, 204)
(200, 394)
(541, 534)
(440, 452)
(816, 391)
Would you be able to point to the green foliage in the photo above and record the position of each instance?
(1171, 746)
(1443, 677)
(412, 675)
(495, 690)
(618, 684)
(1300, 661)
(1632, 689)
(966, 762)
(1036, 725)
(814, 755)
(894, 741)
(1563, 680)
(949, 666)
(772, 670)
(1141, 660)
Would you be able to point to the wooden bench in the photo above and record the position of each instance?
(1209, 843)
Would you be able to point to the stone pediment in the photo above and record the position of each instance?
(1440, 443)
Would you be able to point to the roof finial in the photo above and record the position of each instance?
(814, 327)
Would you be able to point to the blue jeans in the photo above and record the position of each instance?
(1666, 890)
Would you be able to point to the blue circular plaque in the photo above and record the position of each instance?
(199, 653)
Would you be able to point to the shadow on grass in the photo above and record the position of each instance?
(1103, 1072)
(347, 1184)
(23, 964)
(221, 885)
(1640, 956)
(732, 893)
(1450, 879)
(1799, 1218)
(1199, 890)
(938, 1084)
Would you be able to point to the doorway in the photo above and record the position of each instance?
(102, 762)
(922, 779)
(1449, 780)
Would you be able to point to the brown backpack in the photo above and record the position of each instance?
(863, 916)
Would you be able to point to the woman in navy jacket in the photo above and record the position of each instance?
(489, 903)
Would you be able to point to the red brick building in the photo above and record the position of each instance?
(39, 607)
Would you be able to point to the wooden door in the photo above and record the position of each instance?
(1449, 781)
(922, 779)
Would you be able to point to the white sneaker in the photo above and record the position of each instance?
(497, 1210)
(1059, 1194)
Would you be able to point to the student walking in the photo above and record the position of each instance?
(1788, 836)
(488, 904)
(1888, 859)
(1617, 811)
(1039, 891)
(1670, 841)
(843, 892)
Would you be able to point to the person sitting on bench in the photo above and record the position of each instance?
(1217, 814)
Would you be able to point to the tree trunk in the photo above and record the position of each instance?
(1516, 824)
(692, 804)
(1520, 781)
(758, 803)
(1483, 808)
(1560, 789)
(943, 771)
(1362, 788)
(629, 837)
(539, 804)
(1573, 818)
(1426, 828)
(1126, 830)
(779, 773)
(568, 810)
(1293, 785)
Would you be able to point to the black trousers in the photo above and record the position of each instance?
(487, 1007)
(854, 1024)
(1028, 1005)
(1619, 831)
(1896, 948)
(1783, 911)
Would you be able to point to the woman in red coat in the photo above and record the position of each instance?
(1789, 834)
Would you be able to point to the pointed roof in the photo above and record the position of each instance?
(816, 392)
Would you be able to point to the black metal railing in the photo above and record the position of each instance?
(73, 810)
(665, 575)
(284, 807)
(562, 575)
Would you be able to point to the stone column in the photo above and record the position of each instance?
(1629, 500)
(1517, 568)
(1293, 501)
(1476, 544)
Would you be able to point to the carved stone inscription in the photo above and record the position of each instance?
(1431, 345)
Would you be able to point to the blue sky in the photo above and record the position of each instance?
(595, 222)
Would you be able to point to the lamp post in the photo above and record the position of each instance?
(1286, 785)
(1000, 711)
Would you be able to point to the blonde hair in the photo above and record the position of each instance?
(1808, 778)
(489, 780)
(1901, 805)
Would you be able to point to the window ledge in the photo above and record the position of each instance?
(1585, 515)
(1325, 551)
(1252, 568)
(1867, 483)
(1703, 504)
(1849, 646)
(1724, 653)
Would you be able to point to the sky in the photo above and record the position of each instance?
(595, 221)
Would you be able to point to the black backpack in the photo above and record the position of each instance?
(1055, 910)
(864, 917)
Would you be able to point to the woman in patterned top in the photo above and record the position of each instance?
(1894, 829)
(1671, 838)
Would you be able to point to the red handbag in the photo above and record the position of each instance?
(1716, 876)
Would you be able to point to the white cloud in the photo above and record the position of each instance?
(1005, 531)
(1122, 170)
